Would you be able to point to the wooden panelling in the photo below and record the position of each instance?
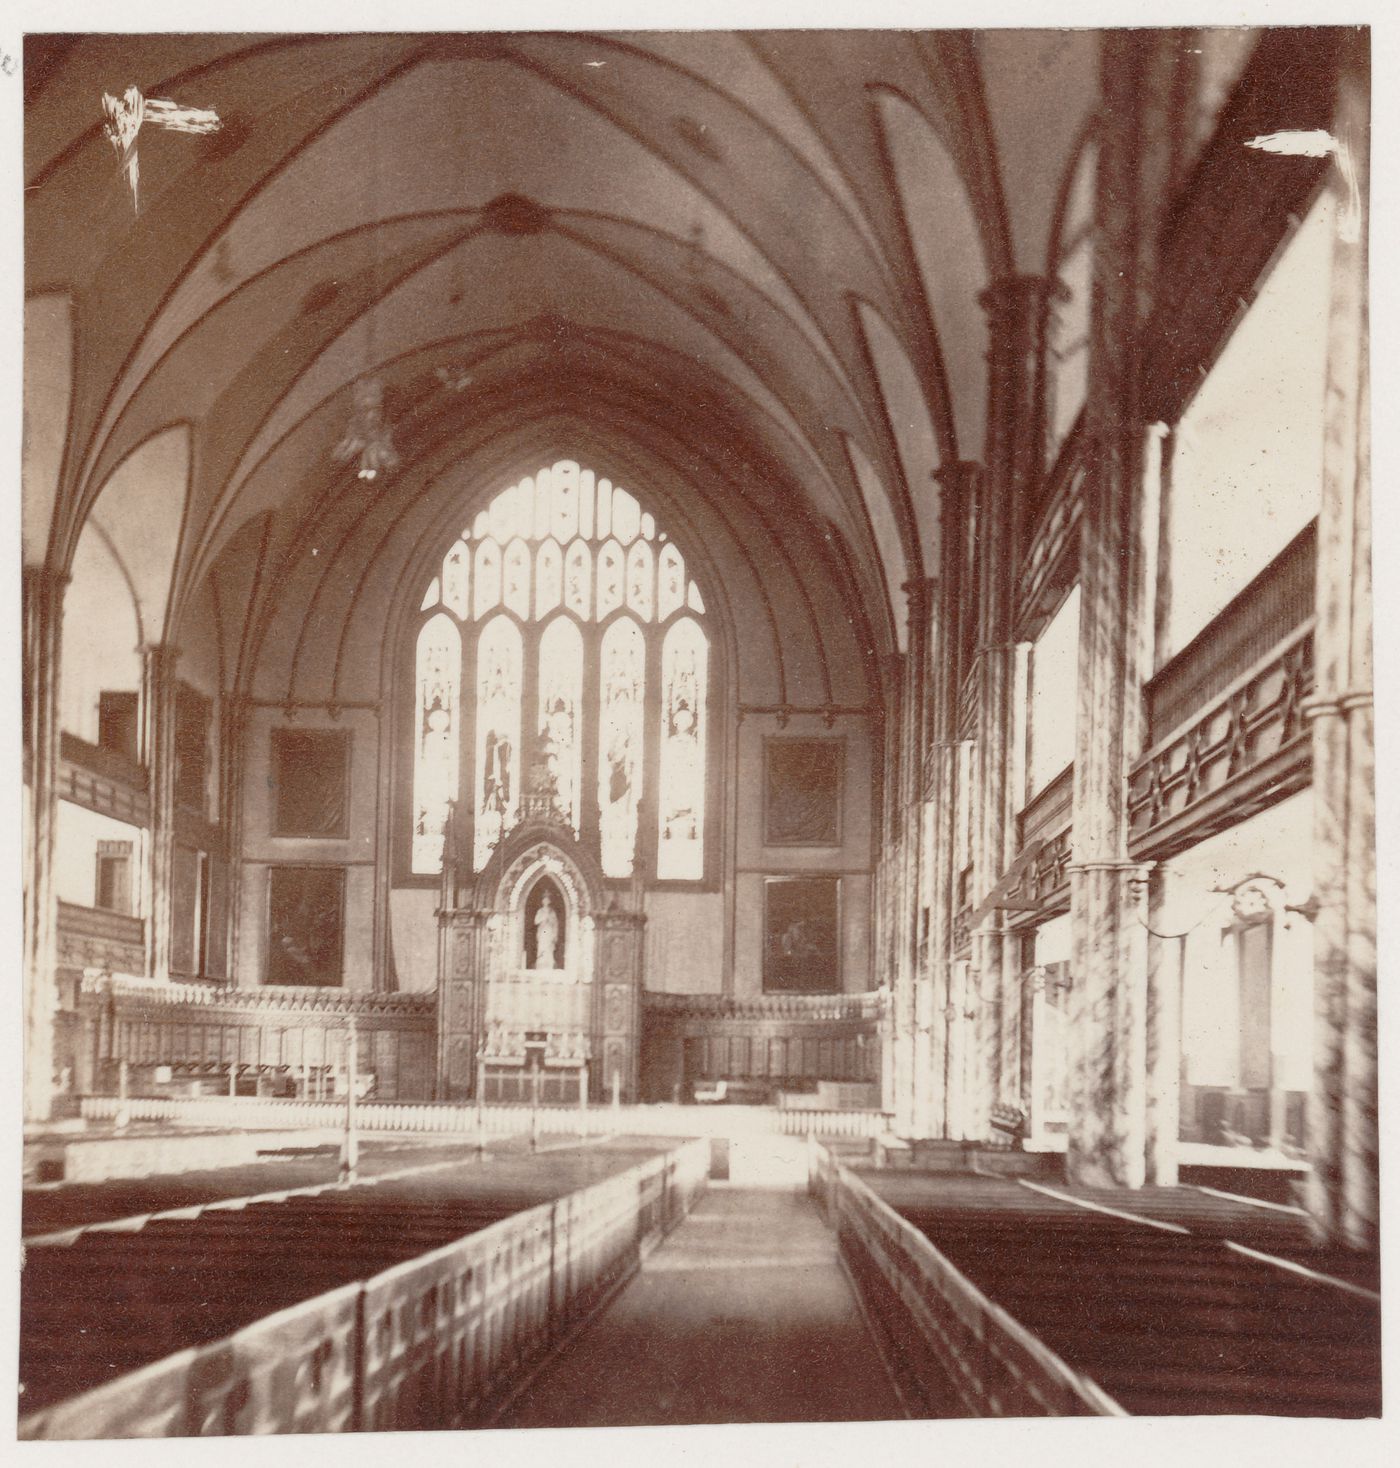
(102, 780)
(1051, 561)
(109, 764)
(89, 937)
(1244, 750)
(1050, 811)
(202, 1029)
(1269, 610)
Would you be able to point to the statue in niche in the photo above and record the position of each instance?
(546, 933)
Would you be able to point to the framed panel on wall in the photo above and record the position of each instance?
(802, 935)
(310, 782)
(305, 925)
(192, 722)
(802, 784)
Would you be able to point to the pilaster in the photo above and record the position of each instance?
(1342, 1189)
(158, 754)
(958, 488)
(617, 987)
(1108, 1029)
(43, 590)
(462, 973)
(909, 1051)
(1017, 308)
(237, 710)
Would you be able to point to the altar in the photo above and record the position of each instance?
(539, 976)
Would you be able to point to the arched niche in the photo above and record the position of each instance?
(544, 914)
(538, 857)
(508, 1022)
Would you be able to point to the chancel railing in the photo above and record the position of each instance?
(446, 1118)
(437, 1342)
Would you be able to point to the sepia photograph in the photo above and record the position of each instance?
(697, 727)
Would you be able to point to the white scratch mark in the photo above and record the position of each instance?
(595, 63)
(1317, 142)
(1301, 143)
(127, 115)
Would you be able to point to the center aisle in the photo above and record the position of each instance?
(742, 1315)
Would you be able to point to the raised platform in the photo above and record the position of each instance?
(102, 1153)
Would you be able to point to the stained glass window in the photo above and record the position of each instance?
(488, 578)
(578, 578)
(438, 735)
(620, 734)
(640, 579)
(610, 570)
(670, 581)
(561, 699)
(549, 566)
(456, 579)
(498, 685)
(568, 591)
(680, 852)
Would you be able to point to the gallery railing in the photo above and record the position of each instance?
(941, 1336)
(437, 1342)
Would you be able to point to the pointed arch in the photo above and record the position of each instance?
(563, 637)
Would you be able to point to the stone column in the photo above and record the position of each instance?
(1342, 1191)
(43, 591)
(1165, 965)
(884, 891)
(911, 968)
(958, 484)
(1108, 1085)
(1017, 308)
(158, 754)
(237, 710)
(923, 614)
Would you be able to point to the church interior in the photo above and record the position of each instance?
(795, 574)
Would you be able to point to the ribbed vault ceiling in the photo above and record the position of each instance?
(701, 244)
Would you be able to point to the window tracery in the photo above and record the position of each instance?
(554, 608)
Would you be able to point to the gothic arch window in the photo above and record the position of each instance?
(565, 644)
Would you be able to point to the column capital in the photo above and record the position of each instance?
(919, 589)
(959, 476)
(40, 573)
(1011, 299)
